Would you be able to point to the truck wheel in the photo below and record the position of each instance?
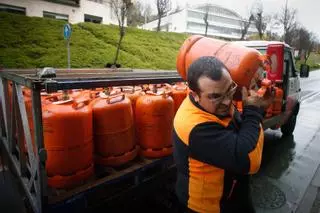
(288, 128)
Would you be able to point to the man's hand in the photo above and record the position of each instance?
(255, 100)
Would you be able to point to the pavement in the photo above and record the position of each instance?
(310, 202)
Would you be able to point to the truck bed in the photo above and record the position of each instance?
(108, 183)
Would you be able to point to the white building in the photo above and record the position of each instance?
(223, 22)
(74, 11)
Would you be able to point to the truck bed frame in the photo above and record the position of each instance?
(30, 168)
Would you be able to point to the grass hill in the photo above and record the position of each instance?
(32, 42)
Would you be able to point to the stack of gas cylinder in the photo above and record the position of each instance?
(104, 126)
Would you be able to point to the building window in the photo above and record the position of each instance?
(97, 1)
(212, 29)
(66, 2)
(213, 18)
(55, 16)
(12, 9)
(93, 19)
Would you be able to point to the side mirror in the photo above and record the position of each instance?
(304, 70)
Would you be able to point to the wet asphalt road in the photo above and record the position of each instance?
(290, 163)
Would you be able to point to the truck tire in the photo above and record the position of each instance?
(288, 128)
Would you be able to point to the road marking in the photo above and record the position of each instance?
(311, 95)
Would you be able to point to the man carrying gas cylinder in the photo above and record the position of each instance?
(216, 148)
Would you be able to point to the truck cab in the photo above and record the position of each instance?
(283, 73)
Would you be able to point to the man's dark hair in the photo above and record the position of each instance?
(208, 66)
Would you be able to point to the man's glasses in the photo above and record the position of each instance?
(229, 94)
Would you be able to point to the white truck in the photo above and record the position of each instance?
(282, 59)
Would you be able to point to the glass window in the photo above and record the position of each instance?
(262, 51)
(55, 16)
(289, 60)
(67, 2)
(93, 19)
(98, 1)
(213, 18)
(12, 9)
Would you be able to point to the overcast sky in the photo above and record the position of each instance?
(308, 10)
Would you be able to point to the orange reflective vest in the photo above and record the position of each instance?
(214, 157)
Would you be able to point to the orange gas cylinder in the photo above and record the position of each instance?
(167, 88)
(84, 94)
(115, 90)
(10, 85)
(244, 64)
(277, 103)
(238, 105)
(67, 132)
(179, 93)
(154, 120)
(154, 88)
(75, 93)
(27, 95)
(266, 85)
(113, 130)
(269, 111)
(133, 93)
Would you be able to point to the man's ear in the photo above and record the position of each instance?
(195, 96)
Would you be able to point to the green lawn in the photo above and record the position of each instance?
(31, 42)
(313, 62)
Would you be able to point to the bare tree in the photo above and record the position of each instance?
(135, 14)
(205, 19)
(317, 47)
(147, 10)
(287, 18)
(292, 35)
(163, 6)
(245, 24)
(306, 43)
(178, 7)
(120, 9)
(260, 19)
(272, 36)
(310, 47)
(273, 28)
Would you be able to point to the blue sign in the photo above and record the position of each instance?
(66, 31)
